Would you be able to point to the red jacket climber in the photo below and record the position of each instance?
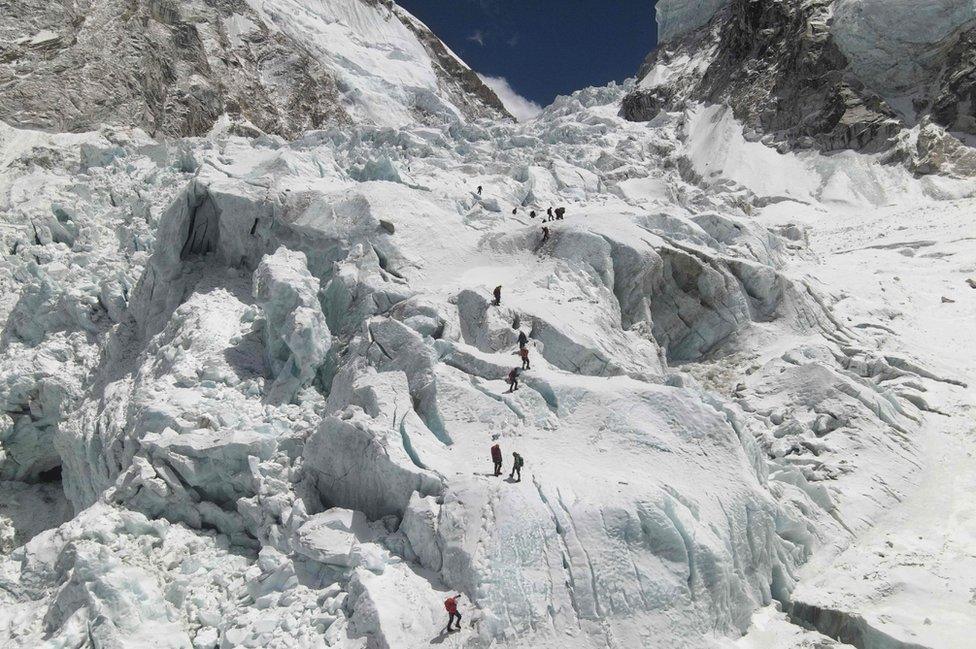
(451, 605)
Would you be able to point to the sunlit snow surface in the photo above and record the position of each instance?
(271, 374)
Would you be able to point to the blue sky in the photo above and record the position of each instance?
(544, 48)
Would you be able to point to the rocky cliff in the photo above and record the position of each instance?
(174, 68)
(825, 74)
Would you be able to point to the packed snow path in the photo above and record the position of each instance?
(283, 357)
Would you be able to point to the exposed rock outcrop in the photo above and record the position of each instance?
(777, 65)
(795, 73)
(174, 68)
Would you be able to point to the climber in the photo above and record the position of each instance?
(560, 211)
(513, 379)
(451, 605)
(532, 214)
(524, 353)
(514, 211)
(523, 340)
(549, 212)
(479, 190)
(545, 235)
(517, 463)
(496, 458)
(498, 295)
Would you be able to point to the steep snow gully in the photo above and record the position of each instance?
(249, 386)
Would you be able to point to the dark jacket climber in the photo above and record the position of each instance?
(532, 214)
(524, 353)
(451, 605)
(514, 210)
(560, 211)
(523, 340)
(549, 212)
(479, 190)
(517, 463)
(496, 458)
(545, 234)
(498, 295)
(513, 379)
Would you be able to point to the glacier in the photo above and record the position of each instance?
(250, 377)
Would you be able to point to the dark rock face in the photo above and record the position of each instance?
(146, 64)
(954, 105)
(793, 80)
(775, 64)
(644, 106)
(172, 68)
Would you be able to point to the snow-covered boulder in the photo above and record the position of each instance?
(335, 538)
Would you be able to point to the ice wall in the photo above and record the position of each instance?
(677, 17)
(892, 44)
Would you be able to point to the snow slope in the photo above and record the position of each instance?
(910, 578)
(388, 66)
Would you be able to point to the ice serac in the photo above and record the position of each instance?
(273, 66)
(296, 335)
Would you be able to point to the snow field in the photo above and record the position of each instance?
(907, 579)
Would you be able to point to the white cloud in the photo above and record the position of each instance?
(478, 38)
(520, 107)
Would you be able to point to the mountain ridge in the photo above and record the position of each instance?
(789, 72)
(174, 68)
